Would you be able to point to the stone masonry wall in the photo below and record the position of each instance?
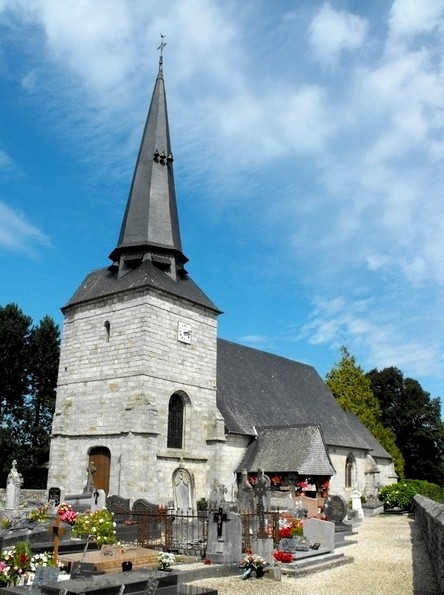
(120, 363)
(430, 517)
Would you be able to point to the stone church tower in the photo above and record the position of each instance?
(136, 394)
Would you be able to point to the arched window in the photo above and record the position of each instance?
(175, 422)
(349, 470)
(107, 330)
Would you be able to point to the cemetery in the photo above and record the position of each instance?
(90, 543)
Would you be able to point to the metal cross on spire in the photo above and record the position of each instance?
(161, 46)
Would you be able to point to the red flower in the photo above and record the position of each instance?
(285, 532)
(285, 557)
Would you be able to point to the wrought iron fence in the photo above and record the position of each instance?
(174, 532)
(188, 533)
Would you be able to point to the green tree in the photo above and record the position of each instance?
(44, 346)
(29, 359)
(15, 329)
(414, 417)
(352, 389)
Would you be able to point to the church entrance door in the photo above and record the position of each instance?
(100, 459)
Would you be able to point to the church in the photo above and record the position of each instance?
(156, 406)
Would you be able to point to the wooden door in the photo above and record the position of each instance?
(100, 458)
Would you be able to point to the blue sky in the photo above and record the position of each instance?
(308, 141)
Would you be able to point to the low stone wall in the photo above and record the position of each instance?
(28, 498)
(430, 517)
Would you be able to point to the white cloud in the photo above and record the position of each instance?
(366, 327)
(17, 233)
(410, 17)
(6, 162)
(334, 32)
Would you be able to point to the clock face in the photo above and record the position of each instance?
(184, 332)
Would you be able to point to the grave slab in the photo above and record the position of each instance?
(320, 532)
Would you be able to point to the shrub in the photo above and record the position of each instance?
(96, 526)
(401, 494)
(398, 495)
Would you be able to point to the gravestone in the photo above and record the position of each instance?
(182, 490)
(320, 532)
(224, 538)
(98, 500)
(263, 546)
(335, 508)
(55, 497)
(119, 506)
(217, 496)
(147, 518)
(357, 502)
(145, 507)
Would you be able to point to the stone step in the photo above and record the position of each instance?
(315, 564)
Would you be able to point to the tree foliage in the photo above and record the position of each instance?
(352, 389)
(415, 419)
(29, 357)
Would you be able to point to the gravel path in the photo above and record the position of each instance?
(389, 558)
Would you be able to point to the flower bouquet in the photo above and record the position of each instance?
(67, 514)
(15, 563)
(253, 566)
(166, 560)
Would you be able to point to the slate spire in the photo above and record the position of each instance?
(150, 227)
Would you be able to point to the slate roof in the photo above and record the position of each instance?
(104, 282)
(150, 222)
(376, 449)
(259, 389)
(296, 449)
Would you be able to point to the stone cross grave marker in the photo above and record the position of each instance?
(260, 491)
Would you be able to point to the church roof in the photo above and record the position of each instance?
(377, 450)
(150, 223)
(299, 449)
(149, 251)
(258, 389)
(104, 283)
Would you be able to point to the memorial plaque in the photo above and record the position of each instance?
(45, 575)
(55, 496)
(151, 586)
(81, 569)
(335, 508)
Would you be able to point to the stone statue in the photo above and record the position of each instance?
(13, 484)
(245, 495)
